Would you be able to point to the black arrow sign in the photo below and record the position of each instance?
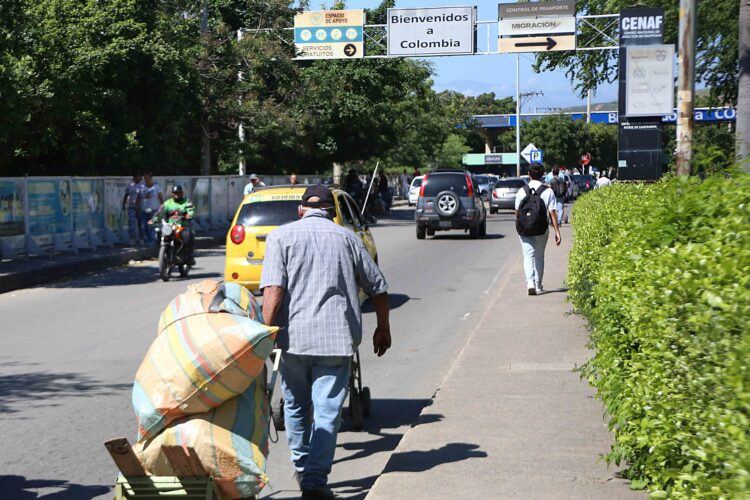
(550, 44)
(350, 49)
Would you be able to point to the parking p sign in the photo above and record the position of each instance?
(536, 156)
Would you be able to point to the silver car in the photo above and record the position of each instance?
(504, 194)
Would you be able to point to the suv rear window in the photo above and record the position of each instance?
(437, 183)
(482, 179)
(268, 213)
(515, 183)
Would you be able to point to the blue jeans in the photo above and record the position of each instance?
(135, 228)
(314, 388)
(148, 229)
(533, 258)
(560, 208)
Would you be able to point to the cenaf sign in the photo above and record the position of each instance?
(431, 31)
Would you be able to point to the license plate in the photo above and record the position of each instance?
(445, 223)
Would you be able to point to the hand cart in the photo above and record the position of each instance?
(191, 480)
(359, 399)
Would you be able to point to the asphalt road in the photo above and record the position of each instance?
(71, 349)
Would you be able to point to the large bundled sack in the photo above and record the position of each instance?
(230, 441)
(209, 350)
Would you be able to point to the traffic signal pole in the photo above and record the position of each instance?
(518, 116)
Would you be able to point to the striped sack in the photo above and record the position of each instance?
(200, 358)
(231, 442)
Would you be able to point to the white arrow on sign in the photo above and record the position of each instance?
(526, 153)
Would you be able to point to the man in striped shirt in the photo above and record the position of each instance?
(312, 271)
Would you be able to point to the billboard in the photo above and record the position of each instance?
(649, 85)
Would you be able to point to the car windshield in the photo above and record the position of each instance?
(482, 179)
(510, 183)
(416, 182)
(268, 213)
(437, 183)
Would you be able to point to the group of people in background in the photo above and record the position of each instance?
(143, 198)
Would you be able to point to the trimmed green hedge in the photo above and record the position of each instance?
(662, 272)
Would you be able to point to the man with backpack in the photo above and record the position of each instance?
(560, 188)
(533, 203)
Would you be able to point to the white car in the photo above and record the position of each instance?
(416, 184)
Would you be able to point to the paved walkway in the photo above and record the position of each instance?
(511, 419)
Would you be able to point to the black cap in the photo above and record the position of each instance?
(322, 192)
(177, 188)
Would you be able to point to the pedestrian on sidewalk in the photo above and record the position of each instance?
(130, 201)
(151, 199)
(255, 182)
(533, 203)
(560, 188)
(310, 279)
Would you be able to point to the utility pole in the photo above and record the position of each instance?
(240, 129)
(205, 126)
(588, 108)
(686, 87)
(518, 116)
(743, 95)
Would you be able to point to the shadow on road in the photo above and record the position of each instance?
(41, 389)
(20, 488)
(420, 461)
(131, 275)
(395, 300)
(456, 236)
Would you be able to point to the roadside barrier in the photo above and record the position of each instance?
(51, 215)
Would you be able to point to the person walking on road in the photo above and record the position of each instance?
(311, 274)
(150, 201)
(603, 180)
(560, 189)
(255, 182)
(131, 201)
(533, 203)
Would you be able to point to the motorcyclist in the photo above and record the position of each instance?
(179, 210)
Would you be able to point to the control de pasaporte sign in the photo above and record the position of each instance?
(431, 31)
(538, 9)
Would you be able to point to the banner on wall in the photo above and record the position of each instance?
(201, 196)
(115, 217)
(50, 206)
(11, 208)
(87, 196)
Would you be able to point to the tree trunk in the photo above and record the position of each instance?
(205, 125)
(743, 95)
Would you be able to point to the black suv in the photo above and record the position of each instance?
(449, 199)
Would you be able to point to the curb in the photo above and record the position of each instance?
(37, 273)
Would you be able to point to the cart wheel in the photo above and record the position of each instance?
(277, 414)
(366, 401)
(355, 410)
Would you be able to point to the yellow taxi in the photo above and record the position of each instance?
(264, 210)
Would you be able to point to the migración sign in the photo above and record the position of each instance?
(536, 27)
(329, 34)
(431, 31)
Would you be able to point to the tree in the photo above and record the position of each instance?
(716, 50)
(450, 154)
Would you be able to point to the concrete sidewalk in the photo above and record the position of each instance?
(516, 421)
(25, 273)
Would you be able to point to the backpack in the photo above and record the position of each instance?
(559, 187)
(532, 213)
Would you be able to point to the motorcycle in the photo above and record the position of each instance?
(173, 250)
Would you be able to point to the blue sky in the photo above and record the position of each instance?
(476, 74)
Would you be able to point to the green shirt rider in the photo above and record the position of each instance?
(179, 210)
